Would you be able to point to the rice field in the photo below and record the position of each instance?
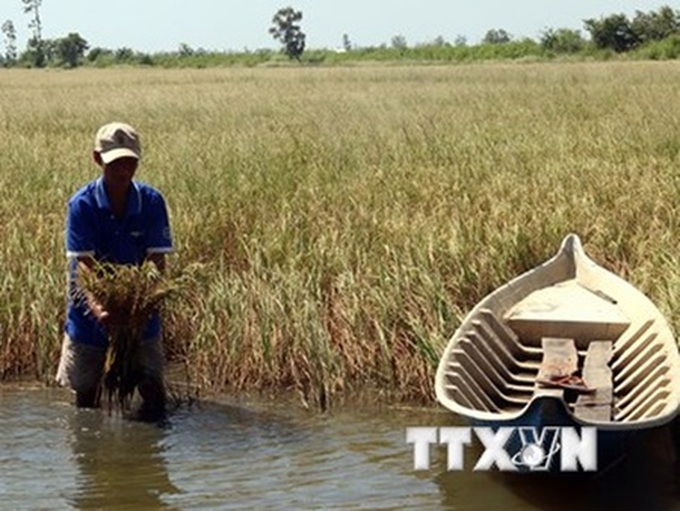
(346, 218)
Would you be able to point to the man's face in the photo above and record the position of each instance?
(119, 173)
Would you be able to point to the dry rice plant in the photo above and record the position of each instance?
(349, 217)
(132, 294)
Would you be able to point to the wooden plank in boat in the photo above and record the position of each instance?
(560, 358)
(567, 309)
(598, 375)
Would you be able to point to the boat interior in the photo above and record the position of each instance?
(566, 342)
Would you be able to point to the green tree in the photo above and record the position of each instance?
(440, 42)
(399, 42)
(656, 25)
(10, 43)
(562, 40)
(496, 36)
(97, 53)
(614, 32)
(35, 49)
(71, 49)
(346, 43)
(124, 54)
(36, 53)
(185, 50)
(144, 59)
(286, 28)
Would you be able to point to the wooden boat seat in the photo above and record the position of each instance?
(560, 358)
(598, 375)
(567, 309)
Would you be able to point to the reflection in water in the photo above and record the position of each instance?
(35, 470)
(227, 456)
(120, 462)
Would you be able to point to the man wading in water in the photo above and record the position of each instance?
(113, 219)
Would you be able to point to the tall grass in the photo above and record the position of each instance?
(349, 218)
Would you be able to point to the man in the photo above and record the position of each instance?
(113, 219)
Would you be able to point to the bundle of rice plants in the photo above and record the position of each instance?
(130, 294)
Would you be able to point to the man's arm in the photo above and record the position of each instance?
(159, 237)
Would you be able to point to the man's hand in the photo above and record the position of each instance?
(107, 318)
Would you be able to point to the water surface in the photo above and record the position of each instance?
(236, 454)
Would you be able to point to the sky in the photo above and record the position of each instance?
(237, 25)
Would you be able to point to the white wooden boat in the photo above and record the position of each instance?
(566, 343)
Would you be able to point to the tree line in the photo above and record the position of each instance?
(616, 33)
(65, 51)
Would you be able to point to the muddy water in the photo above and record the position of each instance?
(252, 455)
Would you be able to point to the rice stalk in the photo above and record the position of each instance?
(131, 294)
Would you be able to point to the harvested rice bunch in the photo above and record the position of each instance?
(132, 294)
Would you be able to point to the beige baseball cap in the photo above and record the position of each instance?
(117, 140)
